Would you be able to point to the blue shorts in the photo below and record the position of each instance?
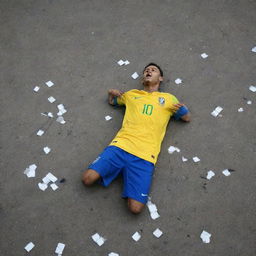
(137, 173)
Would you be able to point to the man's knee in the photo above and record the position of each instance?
(134, 206)
(89, 177)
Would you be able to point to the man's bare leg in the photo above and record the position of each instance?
(134, 206)
(89, 177)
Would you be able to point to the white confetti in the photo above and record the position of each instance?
(42, 186)
(46, 180)
(62, 110)
(36, 89)
(31, 171)
(172, 149)
(210, 174)
(60, 120)
(153, 210)
(154, 215)
(49, 83)
(226, 172)
(249, 102)
(240, 110)
(40, 133)
(254, 49)
(107, 118)
(136, 236)
(205, 236)
(184, 159)
(29, 247)
(157, 233)
(135, 75)
(113, 254)
(99, 240)
(252, 88)
(216, 111)
(47, 150)
(120, 62)
(51, 177)
(178, 81)
(50, 115)
(54, 186)
(196, 159)
(51, 99)
(59, 249)
(204, 55)
(127, 62)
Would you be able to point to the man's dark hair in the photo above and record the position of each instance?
(154, 64)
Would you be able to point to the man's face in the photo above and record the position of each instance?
(152, 76)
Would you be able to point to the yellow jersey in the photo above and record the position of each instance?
(145, 121)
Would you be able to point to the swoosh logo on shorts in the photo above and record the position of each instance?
(144, 194)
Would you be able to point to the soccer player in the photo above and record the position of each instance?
(134, 150)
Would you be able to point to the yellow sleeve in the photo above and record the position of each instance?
(173, 100)
(121, 100)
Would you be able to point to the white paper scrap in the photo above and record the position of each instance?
(136, 236)
(240, 110)
(113, 254)
(172, 149)
(51, 99)
(252, 88)
(210, 174)
(40, 133)
(42, 186)
(157, 233)
(204, 55)
(98, 239)
(29, 247)
(196, 159)
(249, 102)
(60, 120)
(216, 111)
(59, 249)
(120, 63)
(205, 236)
(54, 186)
(50, 115)
(62, 110)
(51, 177)
(254, 49)
(127, 62)
(153, 210)
(36, 89)
(226, 172)
(135, 75)
(178, 81)
(107, 118)
(184, 159)
(47, 150)
(46, 180)
(49, 83)
(154, 215)
(31, 171)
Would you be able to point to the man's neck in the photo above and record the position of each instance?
(151, 88)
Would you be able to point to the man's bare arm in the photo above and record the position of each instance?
(112, 93)
(186, 117)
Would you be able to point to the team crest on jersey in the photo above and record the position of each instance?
(161, 100)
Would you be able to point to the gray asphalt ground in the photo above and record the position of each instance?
(76, 44)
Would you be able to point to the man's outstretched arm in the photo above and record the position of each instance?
(112, 94)
(182, 112)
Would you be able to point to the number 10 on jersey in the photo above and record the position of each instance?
(147, 109)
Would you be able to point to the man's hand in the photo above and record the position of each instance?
(112, 93)
(185, 117)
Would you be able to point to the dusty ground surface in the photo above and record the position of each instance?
(76, 44)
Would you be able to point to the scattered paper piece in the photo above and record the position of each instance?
(135, 75)
(46, 180)
(54, 186)
(120, 62)
(252, 88)
(172, 149)
(249, 102)
(240, 110)
(59, 249)
(204, 55)
(178, 81)
(154, 215)
(31, 171)
(62, 110)
(51, 177)
(98, 239)
(226, 172)
(216, 111)
(40, 133)
(254, 49)
(42, 186)
(136, 236)
(36, 89)
(50, 115)
(210, 174)
(51, 99)
(107, 118)
(113, 254)
(157, 233)
(49, 83)
(196, 159)
(127, 62)
(60, 120)
(205, 236)
(184, 159)
(47, 150)
(29, 247)
(153, 210)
